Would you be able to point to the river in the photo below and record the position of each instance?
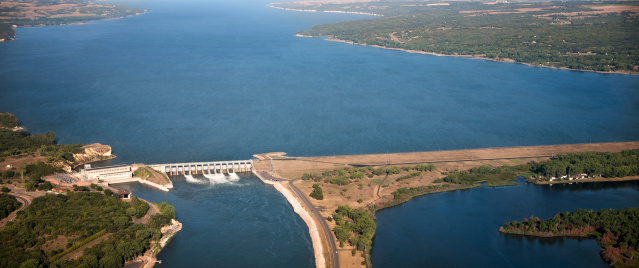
(221, 80)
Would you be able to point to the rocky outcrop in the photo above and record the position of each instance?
(93, 152)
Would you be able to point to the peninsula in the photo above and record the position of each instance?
(25, 13)
(354, 186)
(586, 36)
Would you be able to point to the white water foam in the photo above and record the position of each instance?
(217, 178)
(190, 179)
(233, 177)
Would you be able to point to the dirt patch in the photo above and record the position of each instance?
(59, 243)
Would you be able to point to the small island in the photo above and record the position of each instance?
(615, 230)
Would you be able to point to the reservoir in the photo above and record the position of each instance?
(461, 228)
(221, 80)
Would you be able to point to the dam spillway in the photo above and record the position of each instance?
(217, 167)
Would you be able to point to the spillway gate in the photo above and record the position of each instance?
(205, 167)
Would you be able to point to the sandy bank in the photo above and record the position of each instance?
(318, 249)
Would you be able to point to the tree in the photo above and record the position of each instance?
(108, 192)
(30, 186)
(167, 210)
(317, 193)
(5, 189)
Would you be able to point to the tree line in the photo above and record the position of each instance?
(616, 231)
(593, 164)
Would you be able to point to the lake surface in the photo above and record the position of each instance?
(461, 228)
(222, 80)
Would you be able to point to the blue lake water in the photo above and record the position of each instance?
(221, 80)
(461, 228)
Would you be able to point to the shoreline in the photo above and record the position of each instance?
(64, 24)
(168, 232)
(318, 248)
(325, 11)
(503, 60)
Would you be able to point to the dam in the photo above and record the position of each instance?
(124, 173)
(193, 168)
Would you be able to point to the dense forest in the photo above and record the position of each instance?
(579, 35)
(56, 12)
(8, 204)
(616, 231)
(355, 226)
(32, 238)
(593, 164)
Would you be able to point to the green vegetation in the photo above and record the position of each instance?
(79, 218)
(8, 204)
(499, 176)
(607, 165)
(39, 169)
(402, 195)
(570, 34)
(355, 226)
(347, 175)
(14, 143)
(76, 246)
(317, 192)
(616, 231)
(142, 173)
(167, 210)
(8, 120)
(19, 143)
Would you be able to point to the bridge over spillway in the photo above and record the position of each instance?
(205, 167)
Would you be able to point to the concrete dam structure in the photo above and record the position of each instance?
(217, 167)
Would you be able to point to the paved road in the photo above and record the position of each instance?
(25, 204)
(327, 231)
